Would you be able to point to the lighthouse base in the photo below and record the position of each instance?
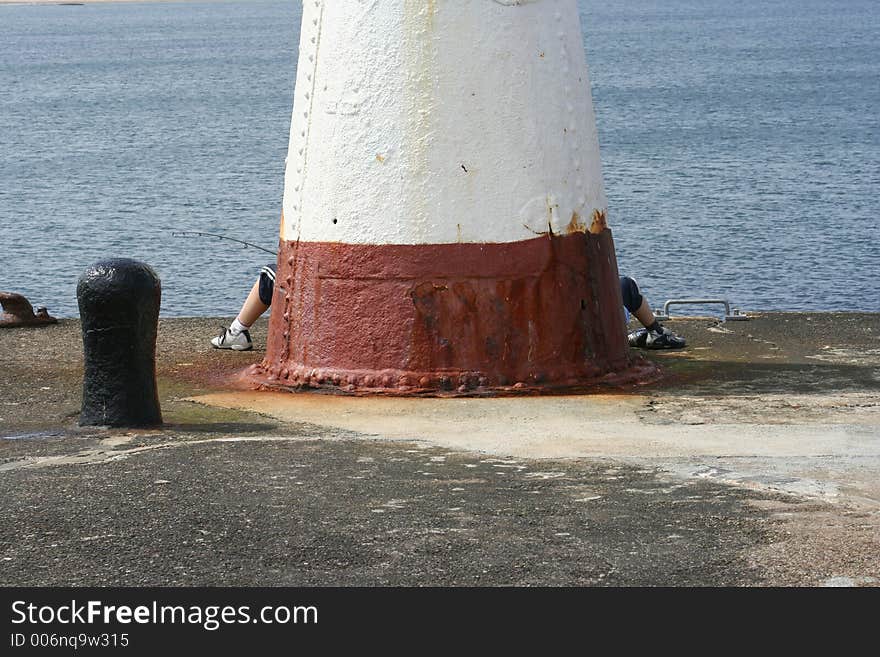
(452, 319)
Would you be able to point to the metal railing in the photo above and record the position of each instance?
(735, 316)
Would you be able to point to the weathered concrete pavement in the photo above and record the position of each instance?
(755, 462)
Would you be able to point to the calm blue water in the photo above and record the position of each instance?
(740, 142)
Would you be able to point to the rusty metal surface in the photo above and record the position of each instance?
(450, 319)
(18, 311)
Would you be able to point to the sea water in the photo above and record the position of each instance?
(740, 145)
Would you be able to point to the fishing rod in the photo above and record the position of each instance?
(198, 233)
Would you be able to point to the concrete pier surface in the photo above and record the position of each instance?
(754, 462)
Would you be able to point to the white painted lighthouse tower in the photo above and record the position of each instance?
(444, 213)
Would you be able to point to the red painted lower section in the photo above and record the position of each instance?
(449, 318)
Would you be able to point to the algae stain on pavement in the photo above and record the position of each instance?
(526, 427)
(593, 425)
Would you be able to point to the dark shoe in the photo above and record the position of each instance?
(637, 338)
(663, 339)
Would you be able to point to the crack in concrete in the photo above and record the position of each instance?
(100, 455)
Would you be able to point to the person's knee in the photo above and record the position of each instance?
(267, 284)
(632, 297)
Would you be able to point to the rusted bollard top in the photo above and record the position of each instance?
(119, 301)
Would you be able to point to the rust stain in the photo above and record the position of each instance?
(599, 223)
(575, 225)
(380, 158)
(536, 232)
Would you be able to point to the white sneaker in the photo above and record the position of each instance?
(240, 342)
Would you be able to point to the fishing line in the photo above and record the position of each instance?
(199, 233)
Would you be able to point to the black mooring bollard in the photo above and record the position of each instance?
(119, 308)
